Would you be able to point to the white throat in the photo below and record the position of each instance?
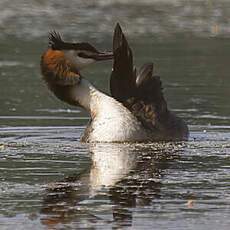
(87, 96)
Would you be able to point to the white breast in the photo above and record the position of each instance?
(115, 123)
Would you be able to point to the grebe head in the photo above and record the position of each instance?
(78, 54)
(61, 64)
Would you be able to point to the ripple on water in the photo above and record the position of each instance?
(65, 183)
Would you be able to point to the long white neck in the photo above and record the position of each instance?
(90, 98)
(111, 121)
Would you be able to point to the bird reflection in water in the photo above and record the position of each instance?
(121, 177)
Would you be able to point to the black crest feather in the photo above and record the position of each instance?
(55, 40)
(56, 43)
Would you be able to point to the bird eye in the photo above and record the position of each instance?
(83, 55)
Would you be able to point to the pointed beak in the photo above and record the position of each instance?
(101, 56)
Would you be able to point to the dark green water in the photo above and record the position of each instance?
(49, 180)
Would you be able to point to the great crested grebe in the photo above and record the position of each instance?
(136, 111)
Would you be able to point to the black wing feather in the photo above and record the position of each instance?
(142, 93)
(130, 87)
(122, 81)
(145, 72)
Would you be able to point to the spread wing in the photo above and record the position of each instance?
(140, 92)
(122, 81)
